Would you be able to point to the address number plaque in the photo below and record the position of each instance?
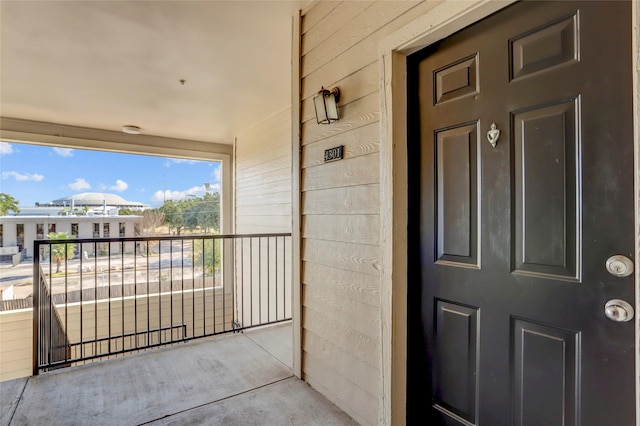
(333, 154)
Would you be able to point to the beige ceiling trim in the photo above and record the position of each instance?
(51, 134)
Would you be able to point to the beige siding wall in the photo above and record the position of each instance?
(15, 344)
(263, 205)
(263, 177)
(340, 201)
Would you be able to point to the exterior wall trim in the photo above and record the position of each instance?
(296, 196)
(635, 46)
(438, 23)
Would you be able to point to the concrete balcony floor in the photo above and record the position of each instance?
(241, 379)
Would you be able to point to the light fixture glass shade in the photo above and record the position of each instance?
(132, 130)
(326, 104)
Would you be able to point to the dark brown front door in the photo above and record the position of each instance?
(506, 305)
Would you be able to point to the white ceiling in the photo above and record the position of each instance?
(105, 64)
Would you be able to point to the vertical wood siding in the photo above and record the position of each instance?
(263, 177)
(340, 201)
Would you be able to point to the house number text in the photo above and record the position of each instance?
(332, 154)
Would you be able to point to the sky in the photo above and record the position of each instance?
(32, 173)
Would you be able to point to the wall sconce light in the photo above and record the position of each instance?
(326, 105)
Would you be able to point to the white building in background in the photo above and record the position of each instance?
(87, 215)
(96, 203)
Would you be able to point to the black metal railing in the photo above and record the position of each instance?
(53, 345)
(119, 295)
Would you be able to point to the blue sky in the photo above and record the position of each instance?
(32, 173)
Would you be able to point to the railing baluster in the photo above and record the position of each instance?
(109, 284)
(276, 278)
(193, 288)
(66, 294)
(251, 278)
(81, 325)
(242, 285)
(171, 286)
(182, 286)
(50, 310)
(268, 280)
(135, 293)
(148, 301)
(95, 297)
(259, 280)
(213, 290)
(284, 278)
(122, 288)
(225, 271)
(160, 292)
(204, 277)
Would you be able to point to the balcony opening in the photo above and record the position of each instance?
(156, 270)
(96, 194)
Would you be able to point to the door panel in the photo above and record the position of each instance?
(508, 280)
(456, 80)
(546, 181)
(546, 367)
(457, 180)
(455, 379)
(549, 45)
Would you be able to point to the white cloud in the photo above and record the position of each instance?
(21, 177)
(179, 161)
(216, 174)
(214, 187)
(119, 186)
(159, 196)
(5, 148)
(183, 161)
(79, 184)
(64, 152)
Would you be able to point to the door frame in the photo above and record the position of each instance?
(438, 23)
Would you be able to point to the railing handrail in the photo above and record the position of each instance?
(156, 238)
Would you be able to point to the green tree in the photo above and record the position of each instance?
(173, 215)
(61, 252)
(206, 255)
(203, 213)
(127, 212)
(193, 213)
(190, 212)
(209, 212)
(7, 204)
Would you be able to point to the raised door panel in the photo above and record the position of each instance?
(457, 195)
(545, 377)
(455, 377)
(546, 177)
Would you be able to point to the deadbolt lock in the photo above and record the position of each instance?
(619, 266)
